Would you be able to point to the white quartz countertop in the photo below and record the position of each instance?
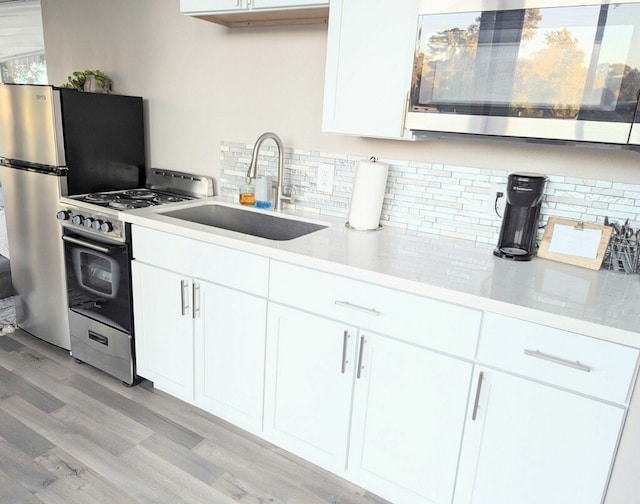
(603, 304)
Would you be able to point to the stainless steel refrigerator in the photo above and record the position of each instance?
(56, 142)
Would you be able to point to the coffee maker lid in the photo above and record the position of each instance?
(527, 175)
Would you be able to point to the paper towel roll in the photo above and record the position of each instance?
(368, 195)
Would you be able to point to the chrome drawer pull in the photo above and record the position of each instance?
(474, 414)
(184, 295)
(557, 360)
(345, 340)
(347, 304)
(360, 355)
(195, 295)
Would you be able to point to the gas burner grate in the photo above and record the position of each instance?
(141, 193)
(101, 198)
(161, 199)
(130, 204)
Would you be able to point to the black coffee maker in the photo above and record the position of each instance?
(521, 215)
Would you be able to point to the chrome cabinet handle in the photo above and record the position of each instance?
(195, 292)
(558, 360)
(184, 296)
(347, 304)
(405, 106)
(363, 340)
(474, 414)
(345, 340)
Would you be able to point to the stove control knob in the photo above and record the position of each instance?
(77, 220)
(88, 222)
(63, 215)
(97, 224)
(106, 227)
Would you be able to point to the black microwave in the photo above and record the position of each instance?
(536, 69)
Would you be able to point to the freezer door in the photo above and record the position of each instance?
(31, 124)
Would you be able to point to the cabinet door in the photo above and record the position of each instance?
(163, 334)
(408, 418)
(369, 64)
(230, 348)
(198, 6)
(308, 385)
(531, 443)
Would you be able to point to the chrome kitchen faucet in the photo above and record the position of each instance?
(252, 172)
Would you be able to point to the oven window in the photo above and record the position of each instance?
(563, 63)
(97, 273)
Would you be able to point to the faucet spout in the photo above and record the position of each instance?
(253, 166)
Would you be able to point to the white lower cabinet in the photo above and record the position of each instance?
(308, 385)
(530, 443)
(202, 340)
(408, 416)
(415, 399)
(399, 408)
(229, 355)
(545, 415)
(164, 338)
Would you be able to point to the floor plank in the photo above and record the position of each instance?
(76, 483)
(12, 492)
(135, 411)
(22, 437)
(19, 466)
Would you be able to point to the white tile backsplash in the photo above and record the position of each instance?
(429, 198)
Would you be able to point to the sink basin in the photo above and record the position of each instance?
(262, 225)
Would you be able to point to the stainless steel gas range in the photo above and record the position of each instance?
(97, 255)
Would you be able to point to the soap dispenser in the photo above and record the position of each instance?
(263, 192)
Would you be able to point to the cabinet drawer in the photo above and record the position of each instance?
(591, 366)
(415, 319)
(196, 259)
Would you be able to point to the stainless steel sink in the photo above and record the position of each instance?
(240, 220)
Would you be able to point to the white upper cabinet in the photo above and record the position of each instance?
(202, 6)
(190, 6)
(235, 13)
(278, 4)
(369, 65)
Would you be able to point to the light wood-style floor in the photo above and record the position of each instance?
(72, 434)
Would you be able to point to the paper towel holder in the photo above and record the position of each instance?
(348, 225)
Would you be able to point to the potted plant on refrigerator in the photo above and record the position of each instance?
(94, 81)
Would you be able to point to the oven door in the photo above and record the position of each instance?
(98, 280)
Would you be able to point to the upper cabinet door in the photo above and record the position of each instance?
(369, 65)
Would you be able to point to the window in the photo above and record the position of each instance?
(22, 57)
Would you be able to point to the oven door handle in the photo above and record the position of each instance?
(99, 248)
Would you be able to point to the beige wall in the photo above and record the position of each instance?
(205, 83)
